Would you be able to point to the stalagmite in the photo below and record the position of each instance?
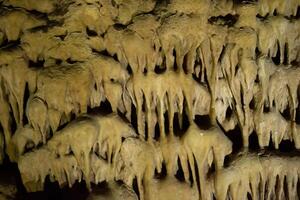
(148, 99)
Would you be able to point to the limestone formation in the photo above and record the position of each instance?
(171, 99)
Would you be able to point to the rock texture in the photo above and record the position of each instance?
(150, 93)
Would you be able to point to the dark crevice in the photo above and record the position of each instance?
(133, 118)
(70, 61)
(91, 33)
(276, 59)
(266, 109)
(179, 131)
(179, 174)
(286, 113)
(253, 142)
(257, 53)
(25, 100)
(249, 196)
(185, 64)
(10, 45)
(38, 64)
(203, 121)
(159, 69)
(104, 108)
(135, 187)
(197, 174)
(262, 18)
(156, 133)
(236, 138)
(175, 62)
(129, 70)
(244, 1)
(211, 170)
(163, 173)
(252, 104)
(285, 58)
(227, 20)
(287, 146)
(229, 113)
(166, 118)
(190, 173)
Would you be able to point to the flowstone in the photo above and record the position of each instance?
(146, 99)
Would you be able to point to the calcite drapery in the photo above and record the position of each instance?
(163, 67)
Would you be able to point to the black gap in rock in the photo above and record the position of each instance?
(163, 172)
(256, 79)
(287, 146)
(242, 99)
(277, 184)
(185, 64)
(227, 20)
(190, 173)
(61, 37)
(223, 52)
(262, 18)
(58, 61)
(179, 174)
(298, 186)
(10, 45)
(229, 113)
(203, 121)
(146, 131)
(285, 188)
(244, 1)
(226, 161)
(236, 69)
(70, 61)
(104, 108)
(157, 132)
(129, 70)
(102, 188)
(275, 13)
(13, 124)
(285, 58)
(90, 32)
(295, 63)
(271, 146)
(253, 141)
(166, 118)
(133, 118)
(297, 118)
(176, 126)
(276, 59)
(196, 78)
(185, 120)
(145, 71)
(37, 64)
(135, 187)
(197, 174)
(205, 77)
(25, 99)
(257, 52)
(29, 146)
(160, 69)
(236, 138)
(249, 197)
(286, 113)
(119, 26)
(266, 108)
(104, 53)
(252, 104)
(175, 62)
(211, 170)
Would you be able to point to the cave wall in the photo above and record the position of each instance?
(175, 99)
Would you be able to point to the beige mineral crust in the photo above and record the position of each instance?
(158, 100)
